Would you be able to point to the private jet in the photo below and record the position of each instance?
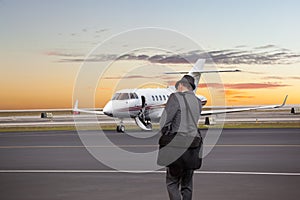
(146, 105)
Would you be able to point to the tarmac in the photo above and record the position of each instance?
(244, 164)
(264, 116)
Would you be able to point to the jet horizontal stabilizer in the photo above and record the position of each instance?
(204, 71)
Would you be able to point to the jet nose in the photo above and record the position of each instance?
(107, 110)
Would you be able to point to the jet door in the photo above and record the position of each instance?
(144, 109)
(142, 119)
(143, 101)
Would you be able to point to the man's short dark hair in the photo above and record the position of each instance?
(187, 85)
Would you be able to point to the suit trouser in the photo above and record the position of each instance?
(179, 183)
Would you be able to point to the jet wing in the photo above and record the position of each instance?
(36, 110)
(90, 111)
(222, 111)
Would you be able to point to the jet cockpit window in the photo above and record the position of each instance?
(121, 96)
(125, 96)
(115, 97)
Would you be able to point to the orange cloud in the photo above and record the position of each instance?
(254, 85)
(243, 85)
(232, 92)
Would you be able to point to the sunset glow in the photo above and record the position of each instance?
(44, 44)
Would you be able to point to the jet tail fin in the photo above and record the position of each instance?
(197, 70)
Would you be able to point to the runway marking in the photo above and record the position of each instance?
(145, 146)
(152, 172)
(55, 135)
(100, 146)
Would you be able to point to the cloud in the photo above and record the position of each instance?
(211, 85)
(294, 77)
(238, 98)
(66, 57)
(126, 77)
(236, 95)
(242, 97)
(62, 54)
(101, 30)
(232, 92)
(138, 77)
(282, 78)
(250, 72)
(241, 46)
(270, 55)
(254, 85)
(266, 46)
(131, 77)
(244, 86)
(239, 56)
(273, 77)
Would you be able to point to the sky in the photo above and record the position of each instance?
(44, 45)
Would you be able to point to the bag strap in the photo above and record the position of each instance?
(189, 110)
(165, 130)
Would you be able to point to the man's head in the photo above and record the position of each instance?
(187, 82)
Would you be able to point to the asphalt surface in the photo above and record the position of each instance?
(245, 164)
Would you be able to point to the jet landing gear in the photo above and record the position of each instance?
(121, 128)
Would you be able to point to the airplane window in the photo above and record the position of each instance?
(156, 97)
(123, 96)
(133, 96)
(160, 98)
(153, 99)
(164, 97)
(115, 97)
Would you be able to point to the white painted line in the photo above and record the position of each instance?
(52, 123)
(153, 172)
(249, 173)
(143, 146)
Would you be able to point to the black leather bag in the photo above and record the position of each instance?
(179, 155)
(180, 151)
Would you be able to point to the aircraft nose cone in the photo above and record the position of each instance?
(107, 110)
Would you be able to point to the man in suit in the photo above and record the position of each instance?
(181, 120)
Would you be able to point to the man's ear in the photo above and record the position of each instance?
(178, 86)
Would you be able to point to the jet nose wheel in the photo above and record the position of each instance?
(121, 128)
